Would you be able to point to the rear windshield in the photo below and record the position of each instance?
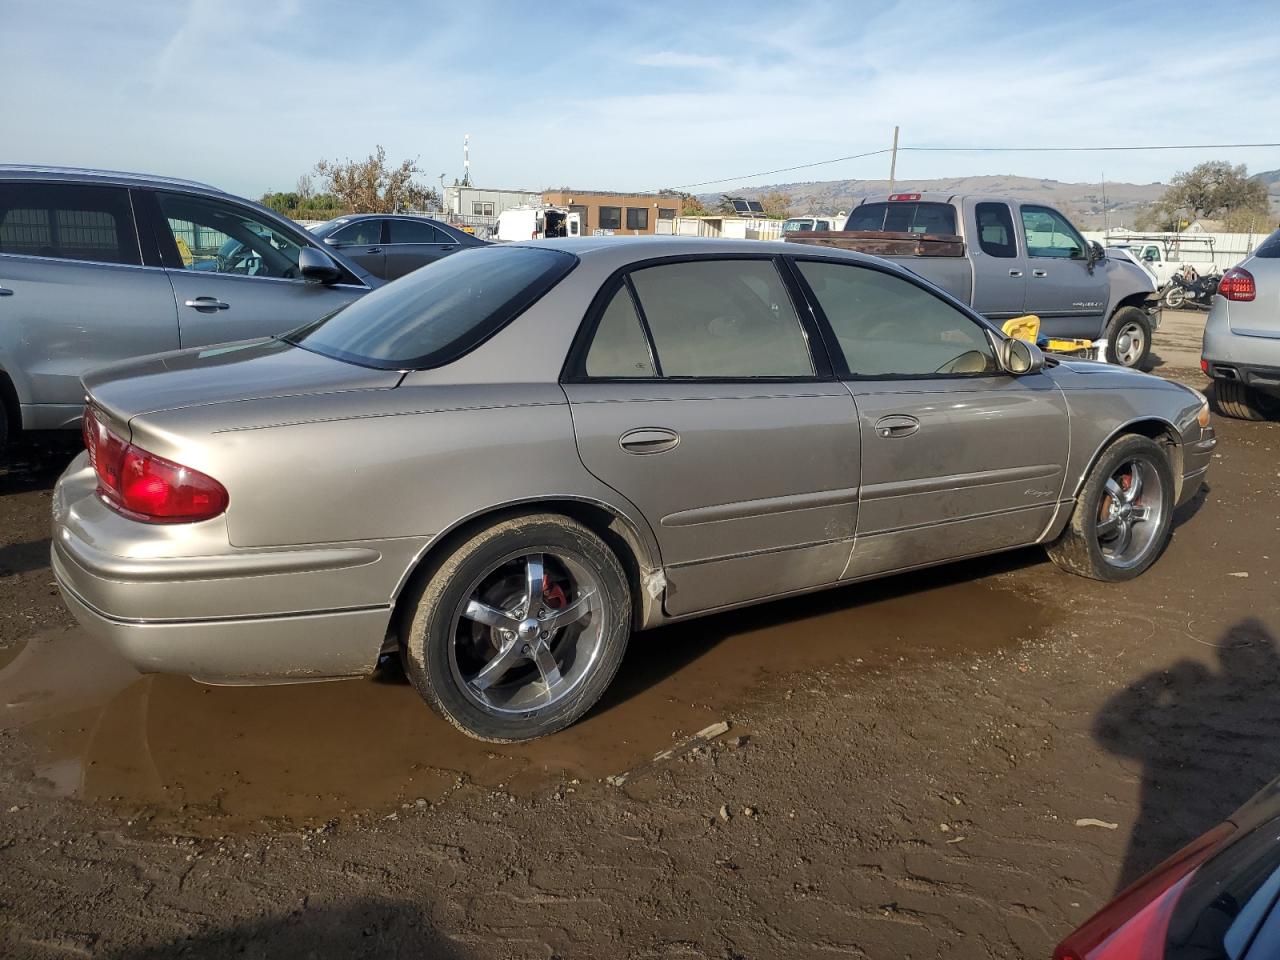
(904, 217)
(440, 311)
(1228, 900)
(1269, 249)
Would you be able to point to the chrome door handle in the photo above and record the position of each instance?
(374, 250)
(1015, 273)
(5, 292)
(1039, 273)
(897, 425)
(649, 440)
(208, 303)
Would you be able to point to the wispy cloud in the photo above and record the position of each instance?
(249, 95)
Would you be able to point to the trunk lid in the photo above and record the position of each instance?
(252, 370)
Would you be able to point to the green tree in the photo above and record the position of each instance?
(372, 186)
(1212, 190)
(690, 206)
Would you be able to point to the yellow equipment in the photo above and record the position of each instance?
(1028, 328)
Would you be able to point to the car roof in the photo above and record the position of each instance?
(615, 252)
(20, 171)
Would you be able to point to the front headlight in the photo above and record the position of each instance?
(1202, 416)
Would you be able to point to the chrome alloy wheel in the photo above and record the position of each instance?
(1130, 343)
(527, 633)
(1130, 514)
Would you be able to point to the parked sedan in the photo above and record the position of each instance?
(391, 245)
(97, 266)
(504, 464)
(1216, 899)
(1241, 350)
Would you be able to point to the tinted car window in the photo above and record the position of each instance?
(359, 233)
(1269, 248)
(995, 230)
(414, 231)
(722, 319)
(224, 238)
(68, 221)
(440, 311)
(888, 327)
(904, 217)
(1050, 235)
(620, 348)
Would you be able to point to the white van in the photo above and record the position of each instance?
(537, 223)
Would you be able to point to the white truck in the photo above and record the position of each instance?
(1164, 254)
(537, 223)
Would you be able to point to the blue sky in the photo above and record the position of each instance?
(632, 96)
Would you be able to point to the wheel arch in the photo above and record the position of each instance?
(1158, 429)
(630, 540)
(10, 404)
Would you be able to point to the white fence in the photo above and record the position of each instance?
(1228, 248)
(732, 228)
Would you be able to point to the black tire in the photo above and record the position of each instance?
(1242, 402)
(4, 426)
(1135, 320)
(1078, 550)
(432, 626)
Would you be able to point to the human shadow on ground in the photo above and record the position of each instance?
(1207, 738)
(369, 927)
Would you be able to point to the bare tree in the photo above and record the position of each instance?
(371, 186)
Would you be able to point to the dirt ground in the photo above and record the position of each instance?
(904, 769)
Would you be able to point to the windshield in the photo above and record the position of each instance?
(1269, 248)
(440, 311)
(799, 224)
(900, 217)
(326, 228)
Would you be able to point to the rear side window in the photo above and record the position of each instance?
(440, 311)
(68, 222)
(888, 327)
(1269, 249)
(414, 231)
(904, 217)
(620, 349)
(722, 319)
(995, 230)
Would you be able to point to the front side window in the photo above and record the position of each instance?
(619, 348)
(887, 326)
(637, 218)
(1049, 234)
(414, 231)
(359, 233)
(222, 238)
(610, 218)
(995, 230)
(722, 319)
(68, 221)
(440, 311)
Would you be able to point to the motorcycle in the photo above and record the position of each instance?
(1187, 286)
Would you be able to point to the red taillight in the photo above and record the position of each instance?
(1135, 924)
(146, 487)
(1204, 366)
(904, 196)
(1237, 284)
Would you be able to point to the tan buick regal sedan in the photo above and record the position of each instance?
(504, 464)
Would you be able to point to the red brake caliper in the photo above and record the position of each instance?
(553, 593)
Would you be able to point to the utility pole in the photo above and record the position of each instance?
(893, 162)
(1106, 222)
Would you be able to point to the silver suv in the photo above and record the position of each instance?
(97, 267)
(1241, 349)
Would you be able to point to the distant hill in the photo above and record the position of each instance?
(1271, 178)
(1082, 202)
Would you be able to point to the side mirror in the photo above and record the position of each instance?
(1096, 252)
(315, 267)
(333, 241)
(1019, 357)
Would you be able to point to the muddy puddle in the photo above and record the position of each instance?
(203, 759)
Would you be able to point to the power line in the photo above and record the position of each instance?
(766, 173)
(876, 153)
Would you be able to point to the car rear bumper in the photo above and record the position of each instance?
(1242, 342)
(180, 599)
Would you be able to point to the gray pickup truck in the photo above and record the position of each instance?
(1006, 258)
